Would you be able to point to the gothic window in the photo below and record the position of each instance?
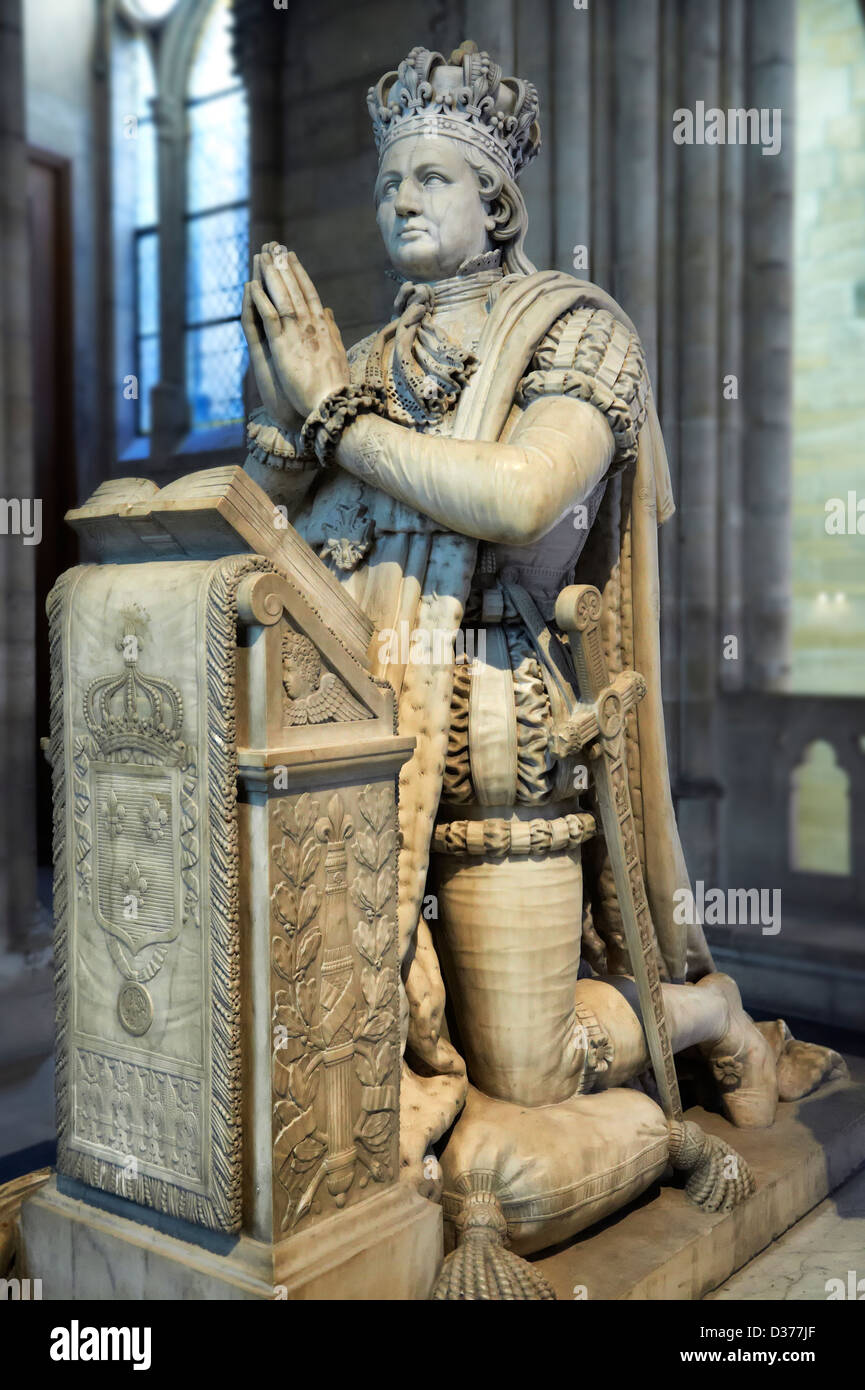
(180, 192)
(216, 226)
(820, 806)
(146, 236)
(150, 11)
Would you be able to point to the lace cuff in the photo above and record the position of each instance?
(270, 444)
(591, 355)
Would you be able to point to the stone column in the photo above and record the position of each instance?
(493, 26)
(571, 157)
(17, 696)
(768, 473)
(260, 36)
(699, 260)
(666, 382)
(169, 402)
(633, 179)
(732, 337)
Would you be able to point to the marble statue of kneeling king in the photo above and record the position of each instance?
(491, 460)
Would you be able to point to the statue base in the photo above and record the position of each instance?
(667, 1248)
(388, 1247)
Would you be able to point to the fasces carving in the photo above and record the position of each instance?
(312, 695)
(335, 1044)
(148, 1075)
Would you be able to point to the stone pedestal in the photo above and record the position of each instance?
(668, 1248)
(228, 1049)
(389, 1247)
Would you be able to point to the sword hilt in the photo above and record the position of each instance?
(578, 611)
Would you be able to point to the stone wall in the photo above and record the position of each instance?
(66, 92)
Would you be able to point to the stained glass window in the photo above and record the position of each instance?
(217, 214)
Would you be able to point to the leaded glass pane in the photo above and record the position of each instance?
(218, 143)
(145, 78)
(217, 244)
(146, 203)
(217, 252)
(215, 363)
(148, 375)
(147, 254)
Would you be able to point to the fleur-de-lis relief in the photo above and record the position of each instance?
(155, 818)
(115, 814)
(336, 825)
(134, 882)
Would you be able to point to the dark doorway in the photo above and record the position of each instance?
(50, 229)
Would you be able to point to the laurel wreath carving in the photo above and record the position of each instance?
(305, 1014)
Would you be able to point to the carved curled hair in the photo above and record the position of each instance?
(507, 207)
(300, 651)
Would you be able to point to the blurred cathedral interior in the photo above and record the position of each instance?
(148, 147)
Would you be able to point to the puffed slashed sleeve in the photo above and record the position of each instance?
(591, 356)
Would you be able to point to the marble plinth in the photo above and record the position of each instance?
(667, 1248)
(389, 1247)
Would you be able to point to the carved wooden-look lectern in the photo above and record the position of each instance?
(225, 832)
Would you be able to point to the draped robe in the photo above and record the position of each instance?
(416, 575)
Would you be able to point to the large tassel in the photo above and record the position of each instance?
(481, 1267)
(719, 1178)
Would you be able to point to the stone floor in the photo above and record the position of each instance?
(827, 1244)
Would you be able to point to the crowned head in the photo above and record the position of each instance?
(453, 137)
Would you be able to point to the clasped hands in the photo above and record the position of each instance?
(295, 347)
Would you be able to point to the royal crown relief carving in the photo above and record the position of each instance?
(335, 1012)
(135, 820)
(312, 694)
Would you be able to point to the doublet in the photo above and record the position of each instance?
(501, 684)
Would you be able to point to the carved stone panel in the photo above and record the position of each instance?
(335, 998)
(146, 873)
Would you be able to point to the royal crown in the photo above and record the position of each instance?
(466, 98)
(132, 711)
